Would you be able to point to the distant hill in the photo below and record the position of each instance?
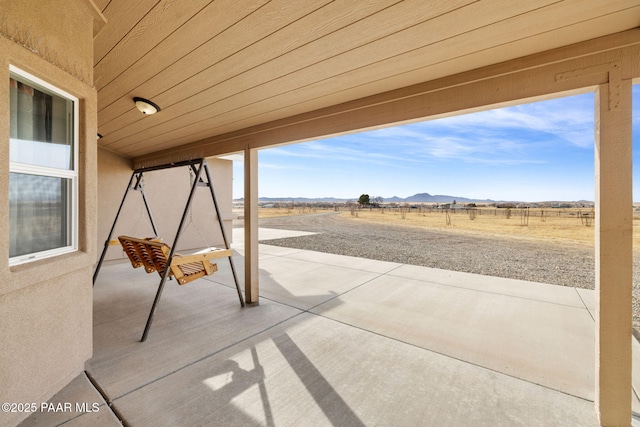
(416, 198)
(441, 198)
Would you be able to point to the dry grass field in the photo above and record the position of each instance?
(569, 225)
(277, 212)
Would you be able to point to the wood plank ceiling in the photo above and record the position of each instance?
(219, 66)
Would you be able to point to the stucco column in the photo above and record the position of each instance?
(613, 251)
(251, 270)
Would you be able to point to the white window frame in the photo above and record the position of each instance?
(30, 169)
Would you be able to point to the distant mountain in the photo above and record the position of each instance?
(416, 198)
(394, 199)
(441, 198)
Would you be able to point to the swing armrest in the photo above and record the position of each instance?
(201, 256)
(186, 268)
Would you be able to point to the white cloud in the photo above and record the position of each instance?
(341, 149)
(510, 135)
(569, 119)
(279, 166)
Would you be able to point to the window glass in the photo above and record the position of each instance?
(42, 169)
(41, 129)
(39, 209)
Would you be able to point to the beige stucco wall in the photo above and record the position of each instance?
(46, 306)
(167, 192)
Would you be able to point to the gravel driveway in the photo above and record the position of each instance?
(555, 263)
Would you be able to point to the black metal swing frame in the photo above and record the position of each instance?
(198, 166)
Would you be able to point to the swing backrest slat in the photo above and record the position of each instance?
(149, 253)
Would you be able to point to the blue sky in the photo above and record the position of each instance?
(531, 152)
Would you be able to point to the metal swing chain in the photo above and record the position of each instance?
(192, 178)
(134, 227)
(139, 187)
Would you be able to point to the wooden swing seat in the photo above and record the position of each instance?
(153, 255)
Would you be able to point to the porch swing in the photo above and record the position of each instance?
(155, 255)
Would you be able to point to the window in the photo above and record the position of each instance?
(43, 171)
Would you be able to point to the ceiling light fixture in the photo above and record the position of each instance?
(146, 106)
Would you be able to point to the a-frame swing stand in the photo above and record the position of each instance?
(157, 256)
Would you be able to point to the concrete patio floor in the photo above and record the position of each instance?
(337, 341)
